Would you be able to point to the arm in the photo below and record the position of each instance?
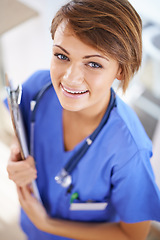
(96, 231)
(79, 230)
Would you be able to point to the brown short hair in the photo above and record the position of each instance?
(111, 26)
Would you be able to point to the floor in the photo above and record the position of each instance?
(9, 210)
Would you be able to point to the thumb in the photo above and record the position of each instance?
(15, 153)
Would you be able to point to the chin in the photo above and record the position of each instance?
(72, 106)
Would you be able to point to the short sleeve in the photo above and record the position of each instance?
(135, 195)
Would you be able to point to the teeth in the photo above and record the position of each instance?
(74, 92)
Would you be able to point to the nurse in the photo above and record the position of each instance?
(113, 194)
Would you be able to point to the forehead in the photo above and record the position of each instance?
(65, 36)
(64, 28)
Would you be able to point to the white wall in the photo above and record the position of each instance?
(148, 9)
(28, 47)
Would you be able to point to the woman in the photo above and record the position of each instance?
(111, 192)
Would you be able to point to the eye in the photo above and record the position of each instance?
(94, 65)
(61, 57)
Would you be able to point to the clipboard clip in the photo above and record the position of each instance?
(14, 94)
(14, 97)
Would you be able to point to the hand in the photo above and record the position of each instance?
(21, 172)
(32, 207)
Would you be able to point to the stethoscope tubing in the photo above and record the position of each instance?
(72, 163)
(75, 159)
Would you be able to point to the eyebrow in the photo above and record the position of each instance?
(96, 55)
(85, 57)
(61, 48)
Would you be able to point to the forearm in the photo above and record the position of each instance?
(85, 231)
(79, 230)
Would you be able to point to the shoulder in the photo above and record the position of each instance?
(131, 125)
(126, 135)
(36, 81)
(31, 88)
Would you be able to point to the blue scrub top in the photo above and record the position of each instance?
(115, 170)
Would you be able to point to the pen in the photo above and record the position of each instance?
(73, 197)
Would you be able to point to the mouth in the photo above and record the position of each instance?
(73, 92)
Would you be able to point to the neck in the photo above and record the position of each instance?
(78, 125)
(90, 116)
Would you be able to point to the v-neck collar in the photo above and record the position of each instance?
(68, 152)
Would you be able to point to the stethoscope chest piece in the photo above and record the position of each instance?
(63, 178)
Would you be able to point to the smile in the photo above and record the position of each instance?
(73, 92)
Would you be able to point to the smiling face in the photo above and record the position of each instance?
(81, 75)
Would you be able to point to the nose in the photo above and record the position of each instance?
(73, 74)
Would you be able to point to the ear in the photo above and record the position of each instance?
(119, 75)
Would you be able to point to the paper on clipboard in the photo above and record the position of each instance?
(14, 98)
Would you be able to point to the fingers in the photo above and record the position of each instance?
(20, 194)
(21, 172)
(24, 194)
(27, 164)
(24, 177)
(32, 207)
(26, 198)
(15, 153)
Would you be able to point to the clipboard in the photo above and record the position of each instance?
(14, 99)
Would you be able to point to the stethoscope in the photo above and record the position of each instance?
(64, 177)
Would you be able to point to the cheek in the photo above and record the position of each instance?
(96, 81)
(101, 82)
(92, 78)
(55, 71)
